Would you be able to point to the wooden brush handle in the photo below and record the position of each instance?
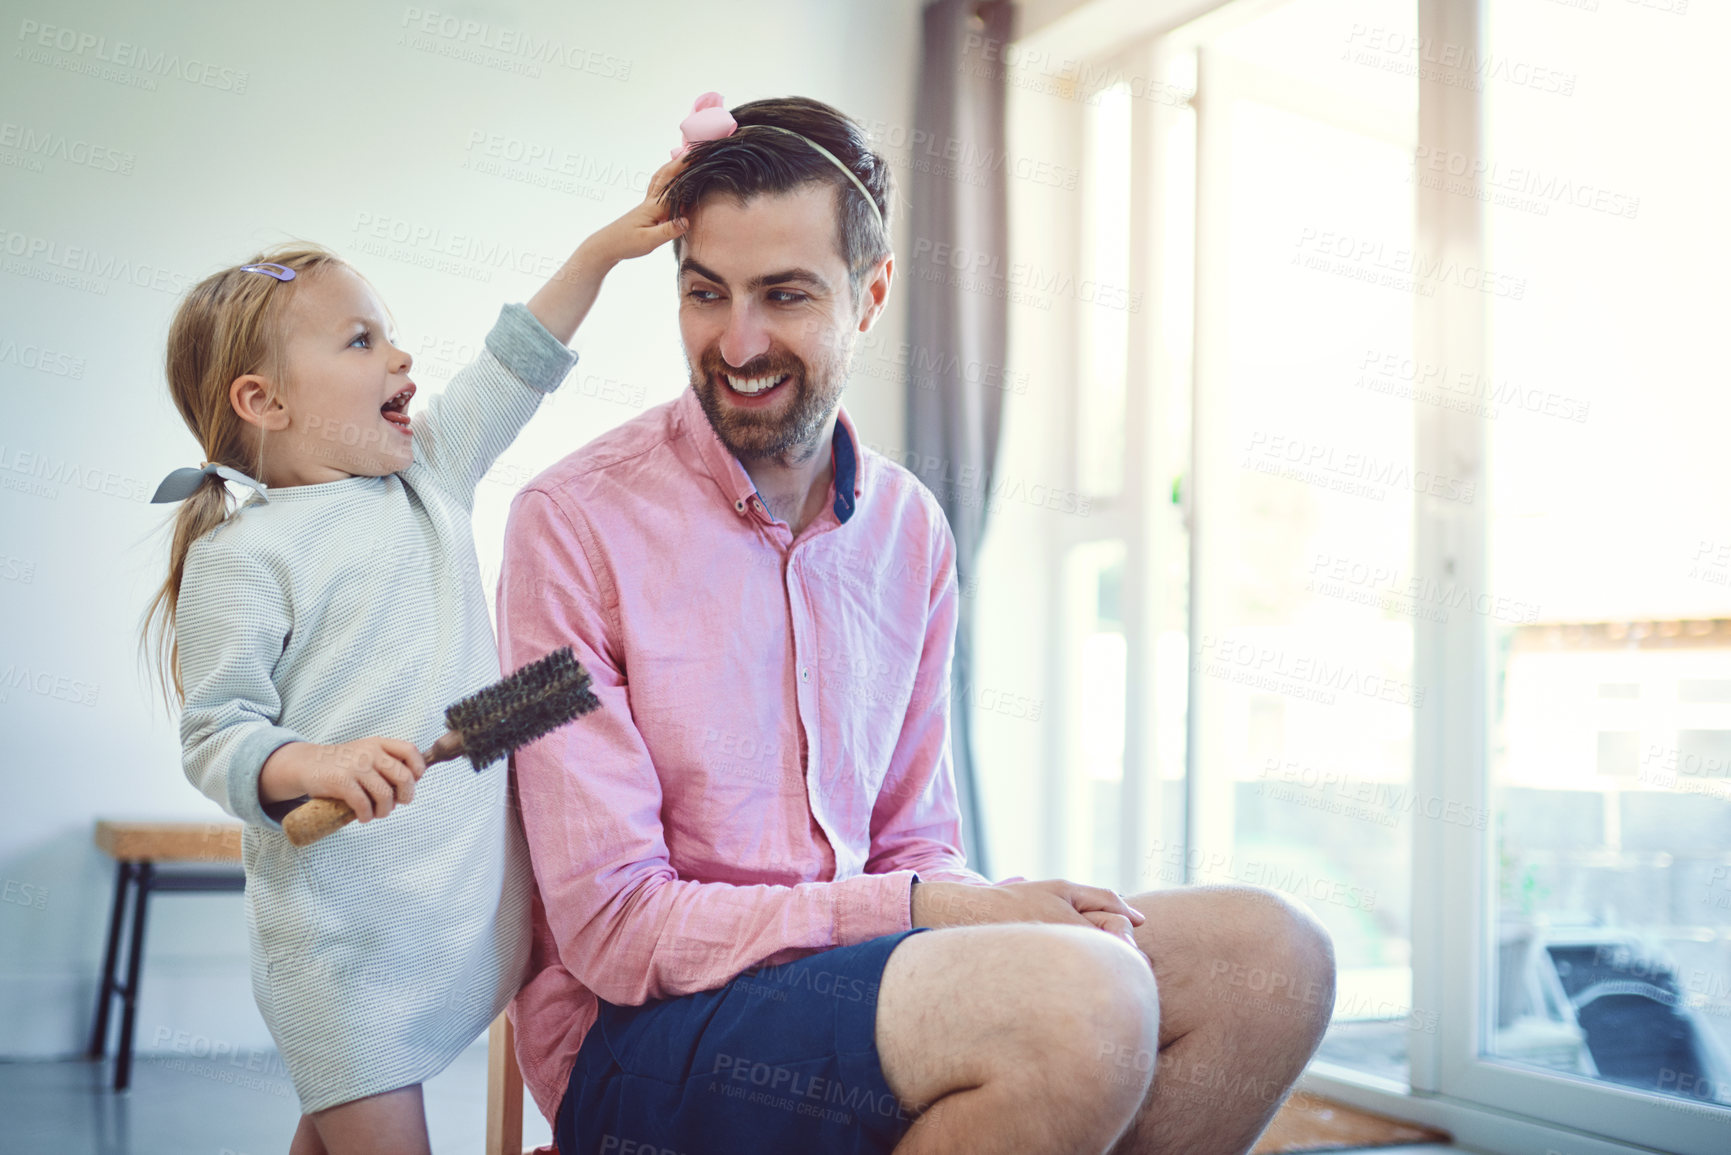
(314, 819)
(318, 817)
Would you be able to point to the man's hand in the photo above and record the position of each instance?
(1053, 900)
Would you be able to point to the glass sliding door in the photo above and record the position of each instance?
(1302, 645)
(1405, 583)
(1602, 910)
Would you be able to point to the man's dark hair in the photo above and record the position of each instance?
(749, 163)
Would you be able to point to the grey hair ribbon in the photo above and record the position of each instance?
(183, 483)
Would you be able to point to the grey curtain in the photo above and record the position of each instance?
(957, 331)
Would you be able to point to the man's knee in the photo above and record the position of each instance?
(1274, 947)
(1299, 937)
(1101, 1016)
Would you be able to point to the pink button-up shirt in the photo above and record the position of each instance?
(771, 760)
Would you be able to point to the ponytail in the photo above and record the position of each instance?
(208, 508)
(228, 325)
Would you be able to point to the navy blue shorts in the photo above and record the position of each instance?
(783, 1058)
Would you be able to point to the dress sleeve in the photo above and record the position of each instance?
(465, 428)
(626, 925)
(916, 820)
(232, 622)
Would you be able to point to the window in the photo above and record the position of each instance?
(1399, 576)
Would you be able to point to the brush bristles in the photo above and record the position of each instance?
(513, 712)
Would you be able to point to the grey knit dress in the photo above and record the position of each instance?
(344, 610)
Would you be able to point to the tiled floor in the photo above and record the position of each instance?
(191, 1107)
(183, 1106)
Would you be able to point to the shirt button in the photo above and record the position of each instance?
(805, 673)
(739, 506)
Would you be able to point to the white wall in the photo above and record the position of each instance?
(143, 146)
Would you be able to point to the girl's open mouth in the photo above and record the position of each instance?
(396, 410)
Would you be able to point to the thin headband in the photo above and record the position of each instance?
(833, 159)
(708, 120)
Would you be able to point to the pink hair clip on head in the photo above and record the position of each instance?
(708, 121)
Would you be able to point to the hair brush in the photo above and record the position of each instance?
(516, 710)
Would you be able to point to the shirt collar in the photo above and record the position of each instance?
(845, 447)
(735, 484)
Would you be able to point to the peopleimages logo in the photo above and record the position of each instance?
(1379, 801)
(46, 144)
(1074, 77)
(446, 34)
(46, 472)
(786, 1087)
(967, 485)
(1449, 62)
(1467, 390)
(1375, 261)
(86, 47)
(1317, 679)
(433, 247)
(1350, 472)
(970, 158)
(47, 684)
(1456, 172)
(27, 355)
(983, 268)
(1386, 587)
(82, 267)
(552, 160)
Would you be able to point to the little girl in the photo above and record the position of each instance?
(315, 636)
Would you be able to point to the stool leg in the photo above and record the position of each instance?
(105, 989)
(504, 1090)
(129, 1013)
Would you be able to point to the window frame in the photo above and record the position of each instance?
(1487, 1103)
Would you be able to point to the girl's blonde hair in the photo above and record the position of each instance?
(228, 325)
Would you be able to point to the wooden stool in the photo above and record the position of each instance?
(504, 1090)
(138, 847)
(505, 1094)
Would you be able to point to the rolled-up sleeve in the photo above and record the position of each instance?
(477, 416)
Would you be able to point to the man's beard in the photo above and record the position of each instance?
(787, 433)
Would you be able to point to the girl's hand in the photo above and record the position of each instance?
(646, 227)
(562, 303)
(370, 775)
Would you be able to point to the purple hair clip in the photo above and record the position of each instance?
(270, 269)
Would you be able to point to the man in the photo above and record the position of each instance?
(734, 855)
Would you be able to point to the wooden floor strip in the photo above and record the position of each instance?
(1309, 1123)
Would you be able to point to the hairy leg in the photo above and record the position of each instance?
(1246, 991)
(394, 1123)
(1005, 1038)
